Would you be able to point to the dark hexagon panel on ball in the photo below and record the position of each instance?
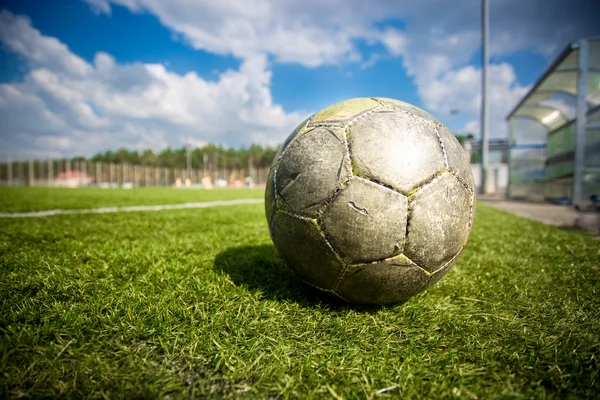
(371, 200)
(311, 170)
(366, 222)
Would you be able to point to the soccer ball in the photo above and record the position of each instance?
(371, 200)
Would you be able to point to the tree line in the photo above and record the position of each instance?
(210, 155)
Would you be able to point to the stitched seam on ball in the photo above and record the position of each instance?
(437, 133)
(293, 214)
(379, 108)
(342, 297)
(471, 218)
(447, 263)
(276, 205)
(462, 181)
(426, 184)
(339, 279)
(347, 144)
(315, 286)
(422, 269)
(471, 202)
(339, 258)
(471, 199)
(323, 233)
(371, 111)
(292, 141)
(382, 104)
(353, 171)
(343, 183)
(405, 241)
(325, 124)
(411, 261)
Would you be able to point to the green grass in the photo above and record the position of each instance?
(23, 199)
(196, 303)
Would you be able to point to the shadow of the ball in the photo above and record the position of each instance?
(260, 269)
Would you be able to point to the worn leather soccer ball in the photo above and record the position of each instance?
(370, 199)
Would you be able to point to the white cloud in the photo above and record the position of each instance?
(58, 109)
(311, 33)
(436, 45)
(137, 105)
(395, 41)
(39, 49)
(460, 89)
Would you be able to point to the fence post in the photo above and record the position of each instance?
(83, 170)
(30, 173)
(50, 173)
(98, 173)
(9, 172)
(21, 174)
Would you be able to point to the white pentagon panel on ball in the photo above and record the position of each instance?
(439, 223)
(311, 170)
(366, 221)
(270, 200)
(304, 248)
(396, 149)
(458, 161)
(384, 282)
(345, 110)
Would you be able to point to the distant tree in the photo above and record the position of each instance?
(463, 138)
(148, 158)
(215, 156)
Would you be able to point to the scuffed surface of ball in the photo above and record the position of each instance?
(371, 200)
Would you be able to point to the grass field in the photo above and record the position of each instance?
(196, 303)
(23, 199)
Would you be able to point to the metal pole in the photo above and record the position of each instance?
(484, 101)
(580, 122)
(511, 138)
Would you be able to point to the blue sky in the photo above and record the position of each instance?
(79, 77)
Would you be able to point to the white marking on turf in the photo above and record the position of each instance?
(105, 210)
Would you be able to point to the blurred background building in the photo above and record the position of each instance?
(565, 100)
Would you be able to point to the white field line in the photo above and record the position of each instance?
(105, 210)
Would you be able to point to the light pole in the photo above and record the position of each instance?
(485, 116)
